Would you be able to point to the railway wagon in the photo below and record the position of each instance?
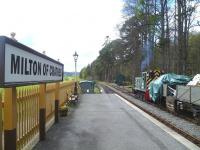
(141, 84)
(188, 99)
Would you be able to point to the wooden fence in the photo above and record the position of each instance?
(28, 111)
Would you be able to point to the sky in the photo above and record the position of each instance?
(61, 27)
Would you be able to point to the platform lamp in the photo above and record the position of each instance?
(75, 60)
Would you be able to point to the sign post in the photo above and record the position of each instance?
(57, 102)
(10, 119)
(42, 112)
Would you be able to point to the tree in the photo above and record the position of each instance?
(156, 34)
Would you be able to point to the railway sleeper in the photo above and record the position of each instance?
(172, 105)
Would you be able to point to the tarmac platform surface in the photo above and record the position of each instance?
(104, 122)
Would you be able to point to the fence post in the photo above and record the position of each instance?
(57, 102)
(10, 119)
(42, 112)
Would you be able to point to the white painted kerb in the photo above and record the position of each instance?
(171, 132)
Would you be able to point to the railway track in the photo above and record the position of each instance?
(181, 115)
(188, 136)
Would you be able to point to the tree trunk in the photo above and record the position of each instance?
(162, 38)
(180, 37)
(167, 40)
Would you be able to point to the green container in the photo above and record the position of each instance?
(87, 86)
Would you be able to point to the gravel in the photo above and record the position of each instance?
(182, 124)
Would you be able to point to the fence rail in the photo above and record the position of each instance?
(28, 108)
(27, 115)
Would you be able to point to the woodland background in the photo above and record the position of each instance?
(156, 34)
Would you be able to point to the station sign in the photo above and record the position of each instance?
(21, 65)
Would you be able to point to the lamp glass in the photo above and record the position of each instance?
(75, 56)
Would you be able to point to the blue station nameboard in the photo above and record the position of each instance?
(21, 65)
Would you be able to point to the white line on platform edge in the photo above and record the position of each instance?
(168, 130)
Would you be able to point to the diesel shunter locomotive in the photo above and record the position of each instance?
(141, 84)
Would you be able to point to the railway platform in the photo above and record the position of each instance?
(109, 122)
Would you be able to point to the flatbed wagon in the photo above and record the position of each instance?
(188, 98)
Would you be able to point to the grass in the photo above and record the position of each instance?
(97, 90)
(70, 78)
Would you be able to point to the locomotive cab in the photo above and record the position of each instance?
(144, 77)
(142, 83)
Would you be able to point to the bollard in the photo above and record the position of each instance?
(42, 112)
(10, 119)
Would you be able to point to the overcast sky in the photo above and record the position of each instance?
(61, 27)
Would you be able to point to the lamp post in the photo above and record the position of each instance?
(75, 60)
(13, 34)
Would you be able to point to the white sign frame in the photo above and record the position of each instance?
(21, 65)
